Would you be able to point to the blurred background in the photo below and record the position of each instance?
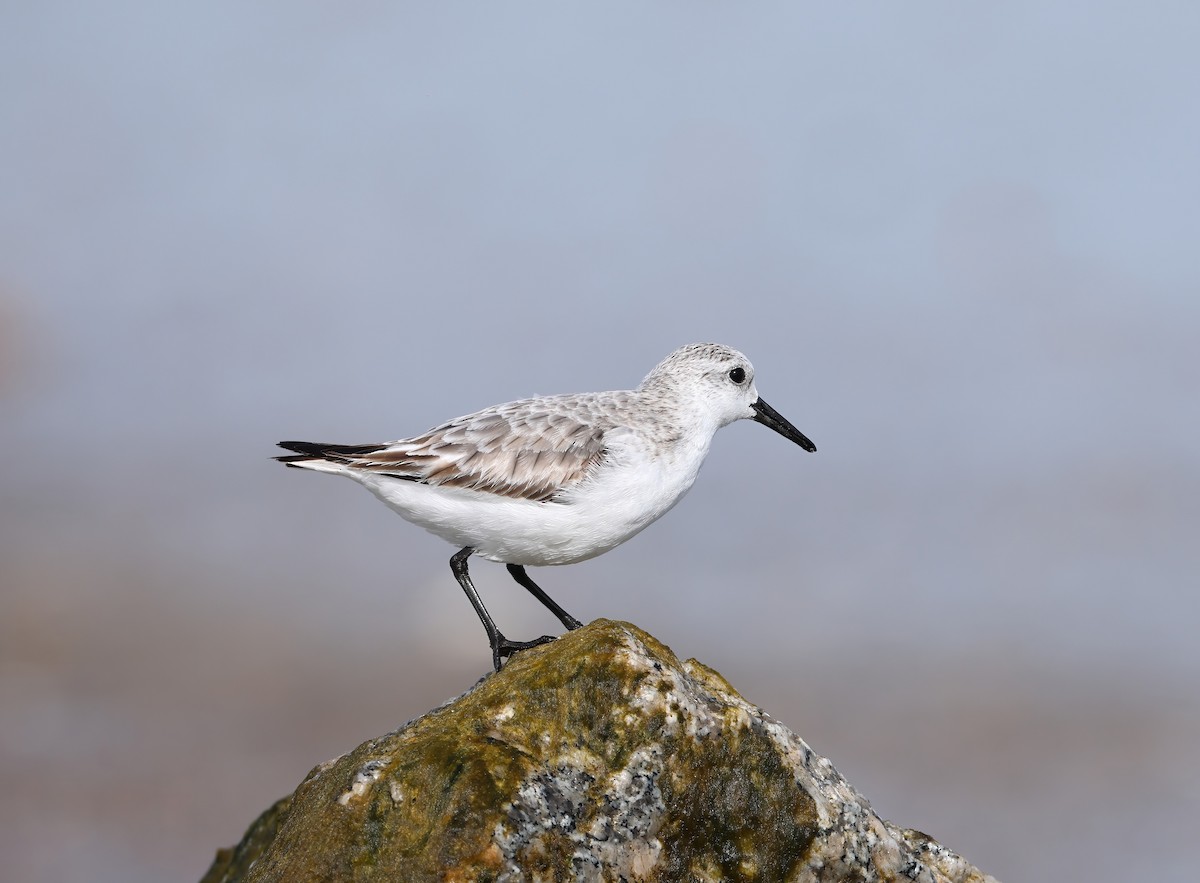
(958, 241)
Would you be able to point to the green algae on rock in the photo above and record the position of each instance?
(598, 757)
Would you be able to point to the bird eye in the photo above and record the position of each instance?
(738, 375)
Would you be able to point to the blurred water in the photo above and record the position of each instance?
(957, 242)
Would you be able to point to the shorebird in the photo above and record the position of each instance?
(556, 479)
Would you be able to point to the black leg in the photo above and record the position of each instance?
(501, 646)
(519, 574)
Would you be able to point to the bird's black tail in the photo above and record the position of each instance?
(305, 451)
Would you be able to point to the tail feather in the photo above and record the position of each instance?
(305, 451)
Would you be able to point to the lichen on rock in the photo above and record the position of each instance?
(599, 757)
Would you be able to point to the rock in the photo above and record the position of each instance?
(597, 757)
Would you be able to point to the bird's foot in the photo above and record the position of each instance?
(502, 647)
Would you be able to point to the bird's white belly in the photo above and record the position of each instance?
(598, 515)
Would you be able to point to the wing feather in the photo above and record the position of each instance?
(531, 450)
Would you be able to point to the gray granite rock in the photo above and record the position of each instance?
(599, 757)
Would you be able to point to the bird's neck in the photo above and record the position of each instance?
(682, 429)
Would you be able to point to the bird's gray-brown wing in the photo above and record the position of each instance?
(532, 450)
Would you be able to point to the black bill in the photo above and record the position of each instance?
(768, 416)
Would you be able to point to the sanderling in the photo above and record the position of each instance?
(557, 479)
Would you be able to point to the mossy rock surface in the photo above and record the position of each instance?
(598, 757)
